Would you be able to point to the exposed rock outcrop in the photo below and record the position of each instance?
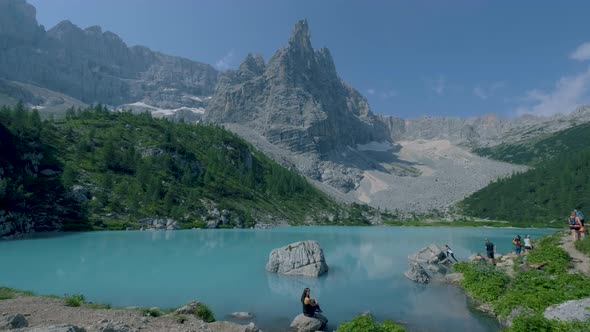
(154, 223)
(304, 258)
(429, 255)
(574, 310)
(13, 321)
(417, 273)
(302, 323)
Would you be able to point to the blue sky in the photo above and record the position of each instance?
(409, 58)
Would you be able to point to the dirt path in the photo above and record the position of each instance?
(581, 262)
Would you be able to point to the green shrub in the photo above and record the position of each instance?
(98, 305)
(180, 319)
(9, 293)
(151, 312)
(482, 281)
(584, 245)
(547, 250)
(75, 300)
(204, 313)
(366, 323)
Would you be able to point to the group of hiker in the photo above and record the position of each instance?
(576, 224)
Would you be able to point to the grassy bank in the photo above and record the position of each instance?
(530, 291)
(472, 223)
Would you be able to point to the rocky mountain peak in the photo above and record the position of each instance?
(300, 37)
(253, 64)
(18, 23)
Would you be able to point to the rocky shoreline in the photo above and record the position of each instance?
(47, 314)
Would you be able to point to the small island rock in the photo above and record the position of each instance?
(302, 323)
(304, 258)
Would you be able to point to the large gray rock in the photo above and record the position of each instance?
(574, 310)
(54, 328)
(302, 323)
(417, 273)
(232, 327)
(187, 309)
(304, 258)
(111, 326)
(14, 321)
(429, 255)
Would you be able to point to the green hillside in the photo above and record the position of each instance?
(123, 167)
(548, 192)
(533, 152)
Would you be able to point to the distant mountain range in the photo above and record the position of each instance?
(92, 66)
(294, 107)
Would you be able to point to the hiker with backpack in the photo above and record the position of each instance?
(574, 224)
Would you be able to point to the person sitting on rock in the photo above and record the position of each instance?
(310, 306)
(449, 252)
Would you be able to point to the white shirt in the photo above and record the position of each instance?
(527, 242)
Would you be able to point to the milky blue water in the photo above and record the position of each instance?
(225, 269)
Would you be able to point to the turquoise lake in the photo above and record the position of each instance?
(225, 270)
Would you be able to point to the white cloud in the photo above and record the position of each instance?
(437, 85)
(226, 61)
(568, 94)
(388, 94)
(487, 92)
(371, 91)
(582, 52)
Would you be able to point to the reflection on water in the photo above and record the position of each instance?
(226, 270)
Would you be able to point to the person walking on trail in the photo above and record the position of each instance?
(517, 244)
(449, 252)
(491, 250)
(574, 224)
(580, 216)
(527, 244)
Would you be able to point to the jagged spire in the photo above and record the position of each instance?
(300, 37)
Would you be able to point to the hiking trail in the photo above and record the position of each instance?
(580, 261)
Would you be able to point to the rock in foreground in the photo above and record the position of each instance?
(14, 321)
(302, 323)
(574, 310)
(304, 258)
(417, 273)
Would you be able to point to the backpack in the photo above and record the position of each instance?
(580, 215)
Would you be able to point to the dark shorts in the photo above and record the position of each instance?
(528, 248)
(491, 254)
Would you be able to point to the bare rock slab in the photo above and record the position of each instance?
(304, 258)
(302, 323)
(574, 310)
(417, 273)
(429, 255)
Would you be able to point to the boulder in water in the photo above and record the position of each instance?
(417, 273)
(302, 323)
(304, 258)
(429, 255)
